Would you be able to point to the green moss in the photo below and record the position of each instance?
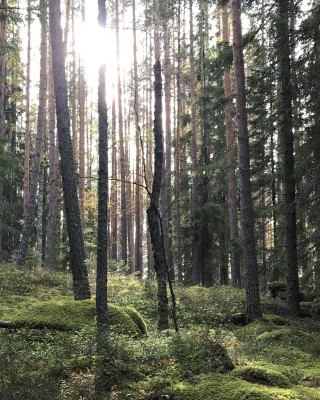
(137, 318)
(229, 387)
(70, 315)
(263, 375)
(199, 352)
(276, 320)
(288, 335)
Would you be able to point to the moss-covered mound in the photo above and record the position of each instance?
(228, 387)
(70, 315)
(263, 375)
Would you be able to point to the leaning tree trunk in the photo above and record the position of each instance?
(153, 210)
(31, 202)
(286, 134)
(253, 310)
(81, 287)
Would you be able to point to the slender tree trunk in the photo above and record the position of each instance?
(166, 187)
(286, 132)
(82, 101)
(177, 154)
(2, 101)
(196, 273)
(40, 217)
(77, 254)
(253, 310)
(31, 204)
(124, 233)
(231, 161)
(52, 233)
(153, 209)
(102, 249)
(138, 225)
(114, 188)
(26, 179)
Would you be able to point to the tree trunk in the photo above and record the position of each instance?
(286, 133)
(102, 249)
(153, 209)
(196, 273)
(166, 186)
(253, 310)
(77, 254)
(124, 233)
(26, 179)
(31, 204)
(138, 224)
(40, 199)
(177, 179)
(51, 245)
(231, 162)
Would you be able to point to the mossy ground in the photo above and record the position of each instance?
(275, 358)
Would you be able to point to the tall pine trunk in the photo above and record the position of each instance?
(253, 307)
(52, 229)
(124, 233)
(231, 161)
(153, 209)
(35, 175)
(138, 224)
(81, 287)
(286, 135)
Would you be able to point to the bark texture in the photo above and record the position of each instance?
(77, 254)
(231, 161)
(286, 134)
(102, 249)
(253, 310)
(153, 209)
(35, 175)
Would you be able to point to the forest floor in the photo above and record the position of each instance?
(50, 354)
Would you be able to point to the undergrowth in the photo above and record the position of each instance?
(275, 358)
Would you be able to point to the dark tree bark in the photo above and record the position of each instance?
(31, 202)
(51, 245)
(286, 137)
(102, 249)
(81, 287)
(196, 269)
(138, 224)
(153, 209)
(124, 232)
(26, 178)
(253, 310)
(231, 160)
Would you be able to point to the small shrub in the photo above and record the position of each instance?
(199, 352)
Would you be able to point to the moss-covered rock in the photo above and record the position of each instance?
(277, 289)
(229, 387)
(276, 320)
(70, 315)
(262, 375)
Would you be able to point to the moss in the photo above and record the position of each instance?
(70, 315)
(199, 352)
(262, 375)
(229, 387)
(287, 335)
(276, 320)
(137, 318)
(277, 289)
